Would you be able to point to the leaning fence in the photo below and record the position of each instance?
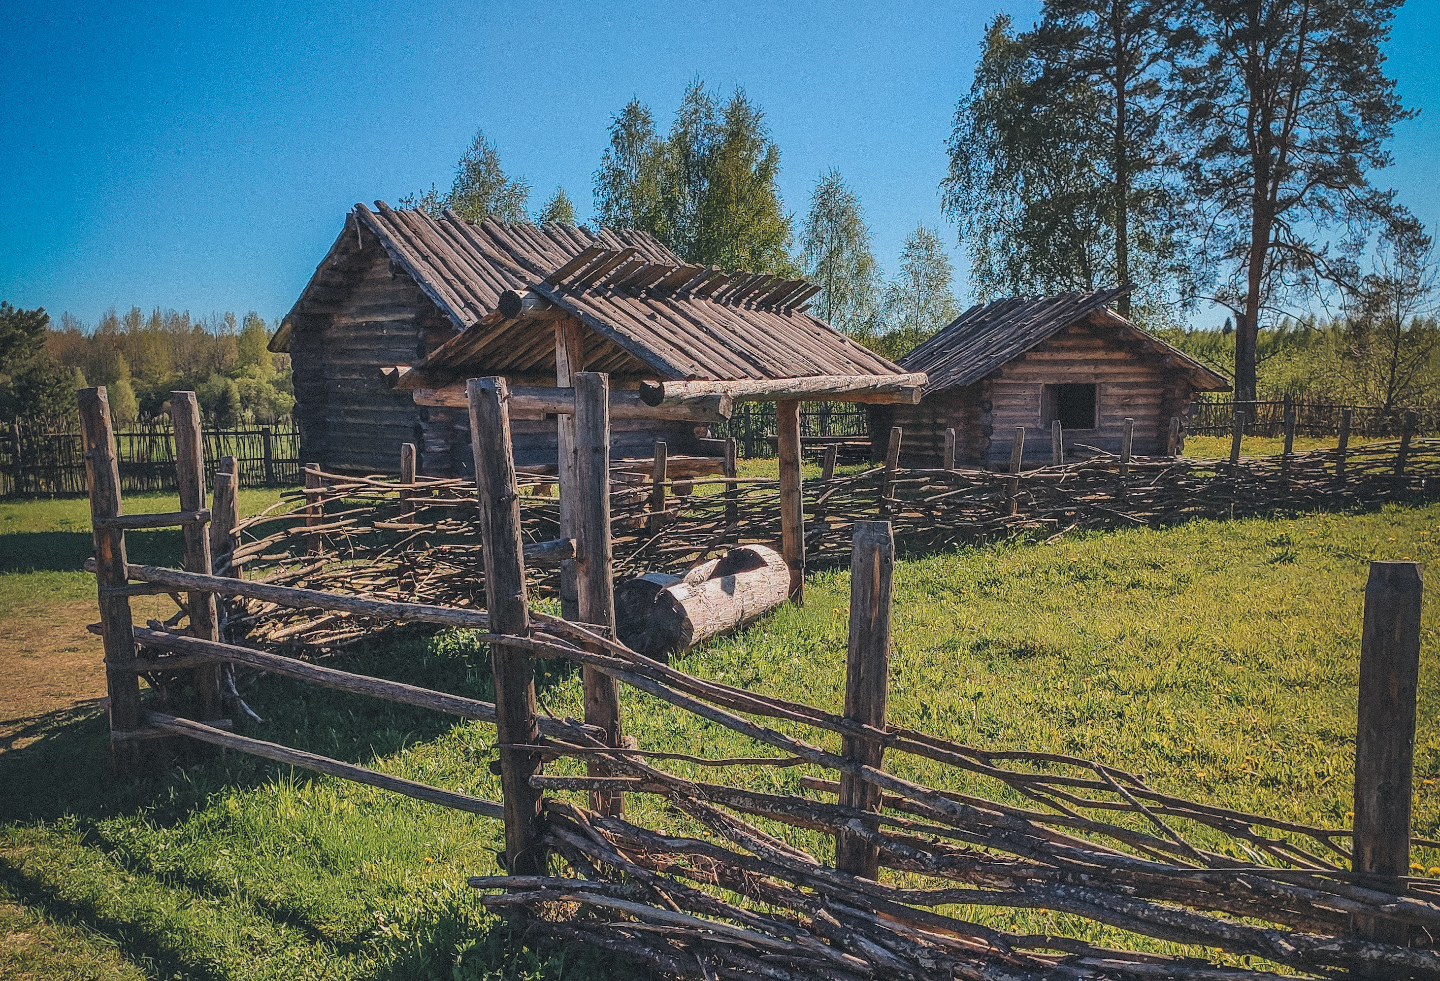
(728, 889)
(45, 458)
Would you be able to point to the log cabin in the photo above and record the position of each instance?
(1031, 362)
(406, 306)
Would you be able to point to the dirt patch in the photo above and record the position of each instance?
(49, 664)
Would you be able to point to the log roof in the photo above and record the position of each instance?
(649, 314)
(989, 335)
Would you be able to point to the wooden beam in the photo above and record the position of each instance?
(190, 476)
(878, 389)
(569, 360)
(509, 609)
(534, 402)
(515, 304)
(792, 502)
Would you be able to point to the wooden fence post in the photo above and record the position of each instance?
(1407, 433)
(1238, 432)
(1057, 443)
(792, 503)
(948, 460)
(1127, 443)
(508, 606)
(117, 628)
(190, 478)
(407, 480)
(827, 469)
(267, 442)
(1289, 419)
(1017, 461)
(867, 675)
(569, 359)
(1385, 732)
(892, 462)
(1172, 442)
(314, 510)
(657, 488)
(594, 566)
(1344, 446)
(732, 491)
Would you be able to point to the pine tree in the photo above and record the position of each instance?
(627, 185)
(835, 255)
(918, 301)
(558, 209)
(480, 189)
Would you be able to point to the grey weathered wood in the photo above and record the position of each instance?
(190, 477)
(225, 523)
(314, 510)
(267, 441)
(880, 389)
(792, 504)
(1407, 433)
(509, 610)
(595, 563)
(732, 490)
(892, 463)
(827, 468)
(1385, 732)
(867, 675)
(322, 764)
(1343, 447)
(1289, 424)
(534, 402)
(1017, 451)
(102, 472)
(947, 461)
(658, 477)
(407, 479)
(569, 359)
(1127, 441)
(1237, 433)
(163, 519)
(1057, 443)
(1172, 439)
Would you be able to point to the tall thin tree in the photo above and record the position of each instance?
(835, 255)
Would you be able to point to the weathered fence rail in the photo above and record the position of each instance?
(1267, 417)
(44, 459)
(731, 896)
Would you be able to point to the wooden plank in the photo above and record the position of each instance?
(732, 491)
(508, 605)
(879, 389)
(1172, 440)
(595, 565)
(658, 477)
(1385, 733)
(1057, 443)
(947, 461)
(322, 764)
(167, 519)
(827, 469)
(190, 477)
(867, 676)
(892, 463)
(792, 504)
(407, 479)
(102, 473)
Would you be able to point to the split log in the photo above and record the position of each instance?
(662, 614)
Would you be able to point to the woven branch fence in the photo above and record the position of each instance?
(1266, 417)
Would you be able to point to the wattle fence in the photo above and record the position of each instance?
(45, 458)
(1266, 417)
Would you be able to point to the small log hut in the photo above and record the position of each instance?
(1032, 362)
(406, 307)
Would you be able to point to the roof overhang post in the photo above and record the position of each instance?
(792, 502)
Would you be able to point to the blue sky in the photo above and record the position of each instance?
(202, 156)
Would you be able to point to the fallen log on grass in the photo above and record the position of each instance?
(659, 614)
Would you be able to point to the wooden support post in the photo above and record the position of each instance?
(1127, 442)
(948, 461)
(117, 627)
(407, 479)
(1172, 440)
(658, 477)
(314, 510)
(569, 359)
(1385, 733)
(1238, 432)
(1343, 449)
(190, 476)
(892, 463)
(594, 566)
(225, 518)
(1289, 419)
(267, 441)
(732, 492)
(508, 606)
(867, 675)
(1017, 462)
(792, 504)
(1057, 443)
(827, 469)
(1407, 433)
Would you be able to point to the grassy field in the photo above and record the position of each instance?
(1218, 659)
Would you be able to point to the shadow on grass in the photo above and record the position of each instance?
(66, 551)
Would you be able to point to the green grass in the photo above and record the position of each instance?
(1218, 659)
(1218, 447)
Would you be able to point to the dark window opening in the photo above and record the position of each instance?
(1073, 405)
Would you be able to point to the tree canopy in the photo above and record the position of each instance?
(918, 302)
(480, 189)
(835, 255)
(558, 209)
